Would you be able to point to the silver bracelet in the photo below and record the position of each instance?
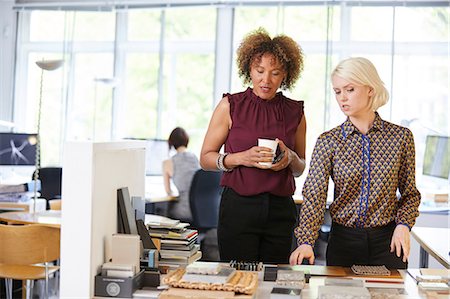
(219, 163)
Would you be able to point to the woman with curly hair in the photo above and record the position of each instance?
(257, 213)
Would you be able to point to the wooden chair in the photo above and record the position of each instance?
(14, 206)
(55, 204)
(24, 246)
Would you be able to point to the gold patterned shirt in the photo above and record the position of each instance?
(367, 170)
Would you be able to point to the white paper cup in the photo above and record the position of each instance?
(270, 143)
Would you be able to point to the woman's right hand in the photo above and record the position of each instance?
(303, 251)
(256, 154)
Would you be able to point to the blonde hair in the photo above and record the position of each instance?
(361, 71)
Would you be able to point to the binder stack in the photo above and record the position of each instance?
(178, 242)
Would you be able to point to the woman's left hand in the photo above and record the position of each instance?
(286, 160)
(400, 241)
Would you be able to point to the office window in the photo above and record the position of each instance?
(189, 105)
(162, 63)
(309, 23)
(189, 73)
(250, 18)
(69, 96)
(422, 24)
(47, 26)
(141, 118)
(191, 24)
(94, 26)
(184, 96)
(90, 112)
(366, 24)
(144, 25)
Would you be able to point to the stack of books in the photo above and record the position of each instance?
(178, 243)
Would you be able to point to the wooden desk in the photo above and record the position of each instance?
(49, 217)
(156, 198)
(23, 206)
(155, 191)
(161, 198)
(434, 241)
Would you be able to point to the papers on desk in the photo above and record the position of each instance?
(160, 221)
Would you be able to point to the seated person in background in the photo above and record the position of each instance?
(181, 168)
(368, 159)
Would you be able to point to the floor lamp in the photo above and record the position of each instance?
(44, 65)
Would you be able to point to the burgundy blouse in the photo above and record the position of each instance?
(253, 118)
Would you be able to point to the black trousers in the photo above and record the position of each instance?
(362, 246)
(255, 228)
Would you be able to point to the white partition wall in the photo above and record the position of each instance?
(92, 173)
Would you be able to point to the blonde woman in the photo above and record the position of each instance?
(369, 160)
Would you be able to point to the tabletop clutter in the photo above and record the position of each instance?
(202, 279)
(167, 267)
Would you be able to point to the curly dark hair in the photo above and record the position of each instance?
(258, 42)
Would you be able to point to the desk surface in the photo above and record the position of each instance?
(310, 290)
(155, 191)
(23, 206)
(435, 241)
(49, 217)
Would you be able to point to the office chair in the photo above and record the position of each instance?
(50, 178)
(24, 246)
(204, 200)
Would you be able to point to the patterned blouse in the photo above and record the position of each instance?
(367, 169)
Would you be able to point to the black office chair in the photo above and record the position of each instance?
(204, 200)
(50, 178)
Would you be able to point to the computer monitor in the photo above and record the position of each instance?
(18, 149)
(436, 161)
(157, 150)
